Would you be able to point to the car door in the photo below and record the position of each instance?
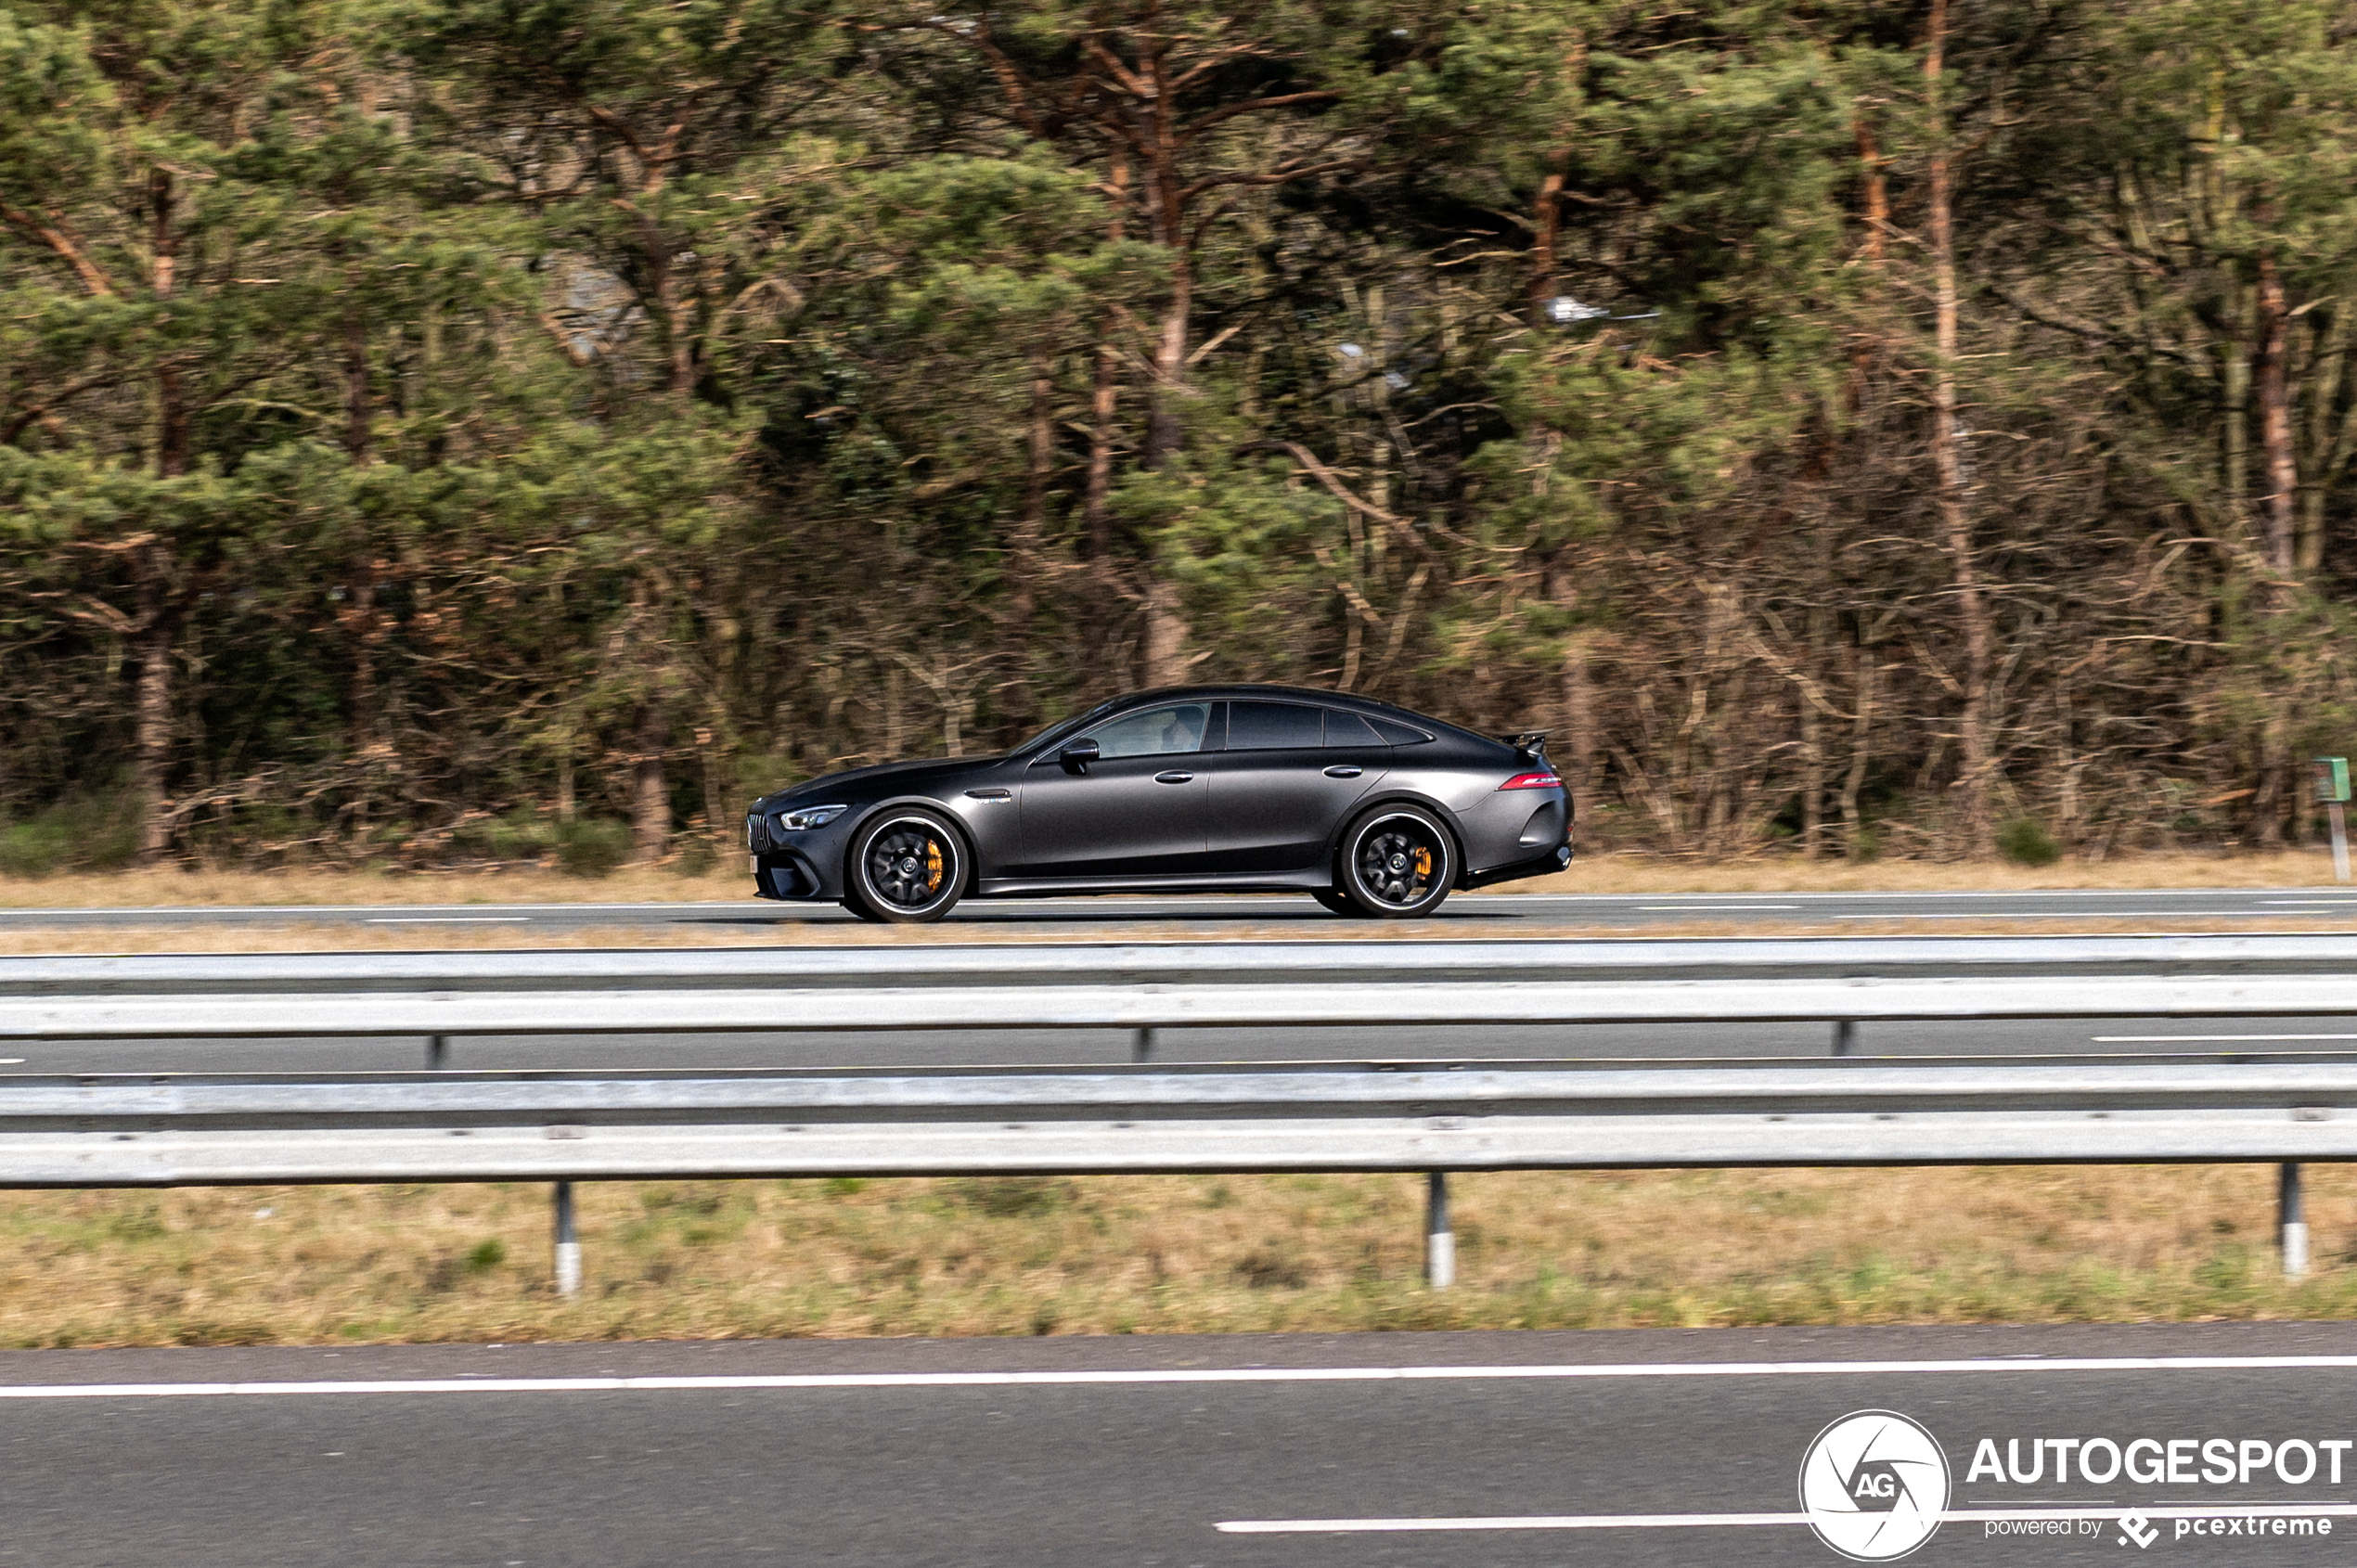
(1288, 774)
(1136, 811)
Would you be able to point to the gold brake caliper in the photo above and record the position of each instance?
(933, 864)
(1423, 861)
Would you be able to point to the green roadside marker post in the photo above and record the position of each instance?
(2332, 787)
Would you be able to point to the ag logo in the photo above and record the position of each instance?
(1874, 1485)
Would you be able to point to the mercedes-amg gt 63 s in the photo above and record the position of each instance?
(1369, 809)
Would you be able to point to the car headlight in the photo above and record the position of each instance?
(802, 817)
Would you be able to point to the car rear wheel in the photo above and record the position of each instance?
(906, 867)
(1397, 863)
(1338, 903)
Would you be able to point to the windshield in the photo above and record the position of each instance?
(1062, 728)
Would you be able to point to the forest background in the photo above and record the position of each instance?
(447, 431)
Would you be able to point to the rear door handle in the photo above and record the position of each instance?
(1342, 773)
(1174, 777)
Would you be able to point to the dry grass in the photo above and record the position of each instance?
(1600, 874)
(1164, 1255)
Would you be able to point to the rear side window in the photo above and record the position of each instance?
(1350, 729)
(1399, 733)
(1269, 726)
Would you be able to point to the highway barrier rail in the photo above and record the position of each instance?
(199, 1129)
(195, 1130)
(1354, 962)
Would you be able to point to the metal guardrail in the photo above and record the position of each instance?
(178, 1131)
(363, 1014)
(191, 1130)
(198, 1131)
(1356, 962)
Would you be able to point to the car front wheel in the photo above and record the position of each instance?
(906, 866)
(1397, 863)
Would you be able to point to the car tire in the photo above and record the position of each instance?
(1399, 862)
(1338, 903)
(906, 866)
(860, 911)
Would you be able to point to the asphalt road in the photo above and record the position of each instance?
(1492, 914)
(1625, 1450)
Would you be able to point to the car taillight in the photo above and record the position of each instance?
(1533, 782)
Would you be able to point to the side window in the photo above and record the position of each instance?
(1268, 726)
(1399, 733)
(1154, 732)
(1350, 729)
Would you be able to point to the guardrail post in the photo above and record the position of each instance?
(2293, 1213)
(437, 1052)
(1844, 1035)
(1440, 1242)
(568, 1244)
(1142, 1049)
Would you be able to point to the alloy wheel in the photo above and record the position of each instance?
(910, 869)
(1401, 865)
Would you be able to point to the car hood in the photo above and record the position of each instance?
(883, 778)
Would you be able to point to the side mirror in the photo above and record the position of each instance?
(1078, 754)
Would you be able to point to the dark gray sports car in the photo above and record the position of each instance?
(1369, 809)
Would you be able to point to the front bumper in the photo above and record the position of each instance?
(798, 867)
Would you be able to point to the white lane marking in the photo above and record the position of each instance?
(2079, 914)
(1685, 906)
(2203, 1039)
(2307, 903)
(366, 908)
(1691, 1521)
(1608, 1370)
(452, 920)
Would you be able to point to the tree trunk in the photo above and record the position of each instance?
(1018, 707)
(2280, 495)
(1165, 427)
(1165, 652)
(157, 621)
(1877, 193)
(358, 424)
(1972, 613)
(1862, 742)
(1578, 768)
(1546, 223)
(153, 726)
(650, 791)
(1104, 397)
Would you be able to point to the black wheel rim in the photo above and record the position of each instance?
(910, 866)
(1400, 861)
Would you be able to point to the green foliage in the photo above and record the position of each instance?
(78, 833)
(485, 1256)
(2025, 843)
(422, 420)
(592, 847)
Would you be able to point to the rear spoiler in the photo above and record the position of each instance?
(1529, 742)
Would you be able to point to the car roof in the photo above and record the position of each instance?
(1297, 694)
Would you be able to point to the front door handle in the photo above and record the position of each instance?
(1342, 773)
(1174, 777)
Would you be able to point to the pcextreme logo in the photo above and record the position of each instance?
(1875, 1484)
